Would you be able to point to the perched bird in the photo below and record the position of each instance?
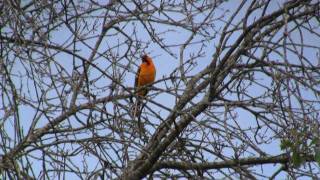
(145, 76)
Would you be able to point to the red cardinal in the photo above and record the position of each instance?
(144, 77)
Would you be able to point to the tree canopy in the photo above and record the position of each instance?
(236, 92)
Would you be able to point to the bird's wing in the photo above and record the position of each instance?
(137, 77)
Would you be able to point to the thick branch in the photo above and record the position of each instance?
(281, 159)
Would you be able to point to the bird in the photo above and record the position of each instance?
(145, 76)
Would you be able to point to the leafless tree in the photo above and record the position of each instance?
(236, 94)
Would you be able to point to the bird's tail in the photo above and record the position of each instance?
(137, 109)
